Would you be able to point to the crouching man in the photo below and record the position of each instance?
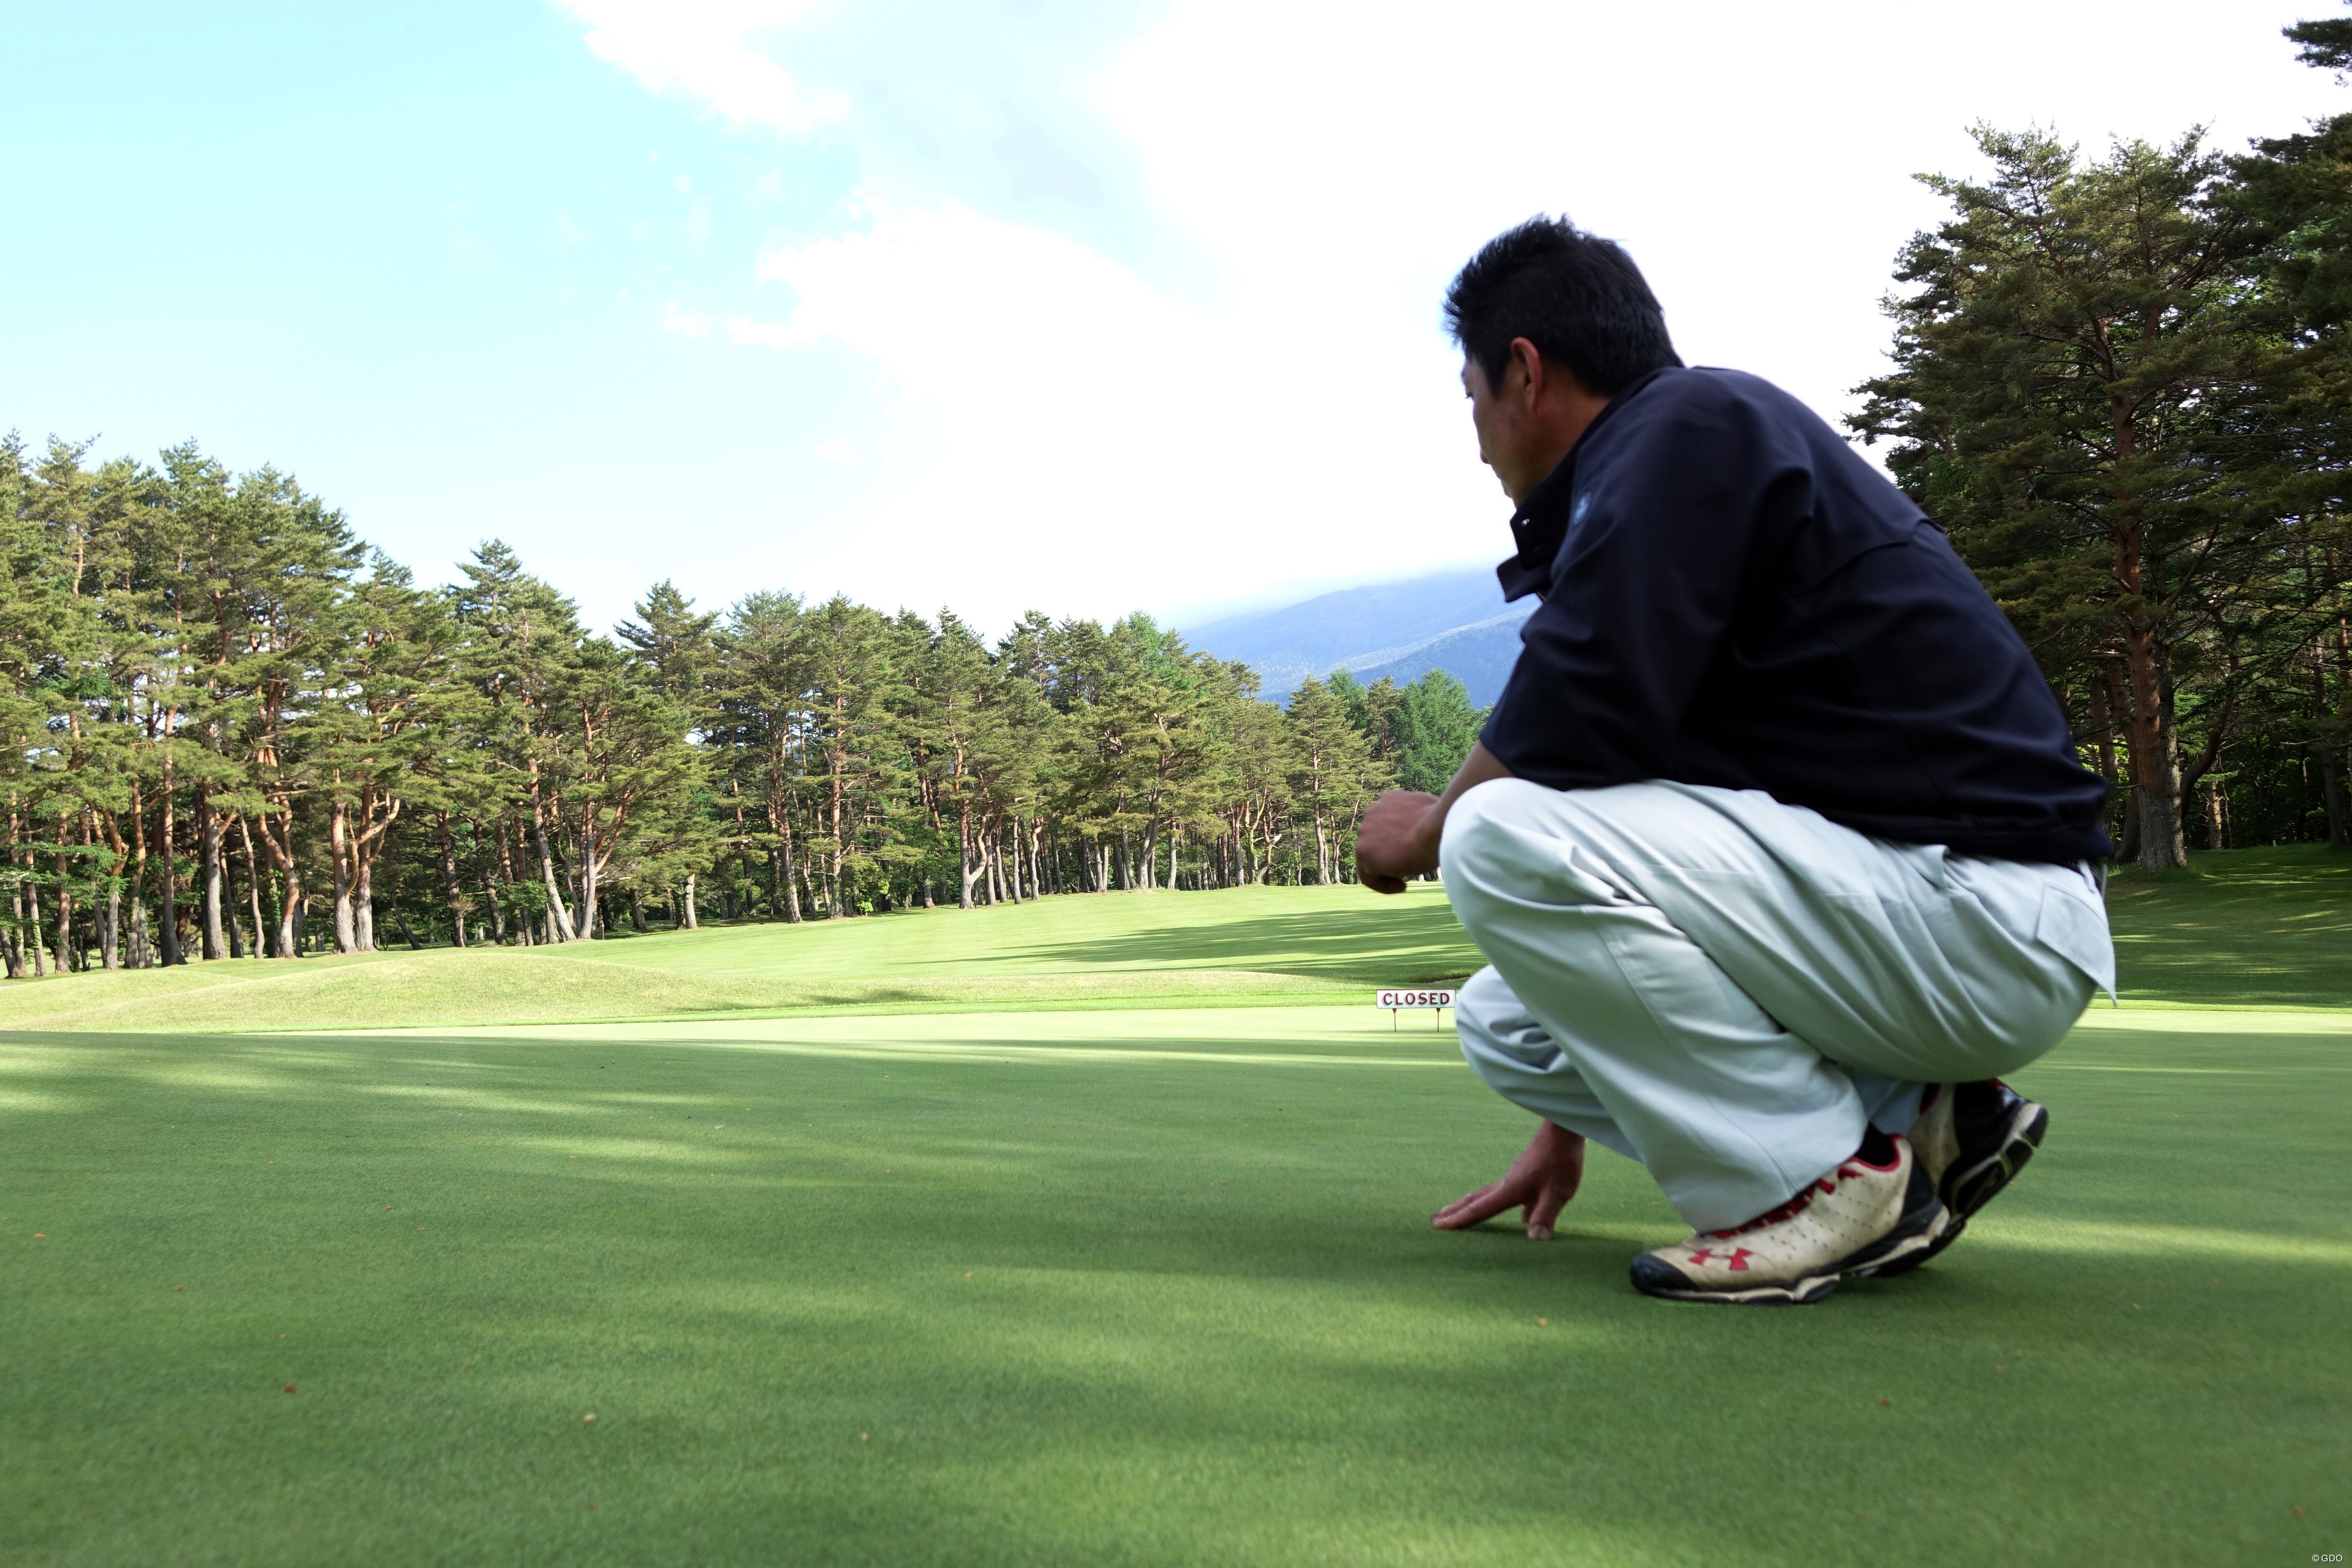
(1775, 845)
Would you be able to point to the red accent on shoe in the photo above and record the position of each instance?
(1852, 1165)
(1773, 1216)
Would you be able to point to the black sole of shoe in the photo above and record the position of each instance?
(1905, 1249)
(1969, 1188)
(1799, 1293)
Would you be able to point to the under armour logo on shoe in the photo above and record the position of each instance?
(1736, 1259)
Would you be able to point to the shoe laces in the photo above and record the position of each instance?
(1795, 1205)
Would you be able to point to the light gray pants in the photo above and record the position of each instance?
(1728, 989)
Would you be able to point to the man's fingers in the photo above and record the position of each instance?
(1476, 1208)
(1451, 1214)
(1384, 884)
(1551, 1198)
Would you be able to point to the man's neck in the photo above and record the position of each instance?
(1567, 412)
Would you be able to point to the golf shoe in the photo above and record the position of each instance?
(1973, 1139)
(1856, 1219)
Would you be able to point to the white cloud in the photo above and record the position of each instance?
(1053, 421)
(1060, 434)
(703, 49)
(685, 323)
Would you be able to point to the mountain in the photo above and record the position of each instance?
(1455, 621)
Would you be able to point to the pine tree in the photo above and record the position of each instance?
(2070, 399)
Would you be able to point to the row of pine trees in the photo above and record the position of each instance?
(233, 729)
(2123, 384)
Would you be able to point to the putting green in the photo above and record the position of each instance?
(1146, 1286)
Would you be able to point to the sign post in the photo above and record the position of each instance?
(1397, 1001)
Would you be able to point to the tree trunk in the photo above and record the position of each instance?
(2331, 791)
(32, 903)
(502, 902)
(338, 849)
(253, 887)
(232, 903)
(289, 882)
(590, 911)
(2153, 776)
(208, 848)
(363, 903)
(558, 913)
(13, 940)
(450, 889)
(968, 871)
(62, 946)
(168, 889)
(2159, 811)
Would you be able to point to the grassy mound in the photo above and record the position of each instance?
(1142, 1287)
(1244, 944)
(2245, 928)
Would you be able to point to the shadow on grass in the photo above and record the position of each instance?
(2256, 928)
(1370, 945)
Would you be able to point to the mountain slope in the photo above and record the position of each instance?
(1480, 656)
(1452, 620)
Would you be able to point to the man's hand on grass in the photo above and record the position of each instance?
(1540, 1181)
(1398, 840)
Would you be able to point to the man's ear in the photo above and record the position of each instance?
(1527, 360)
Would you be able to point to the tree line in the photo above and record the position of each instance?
(235, 729)
(2121, 384)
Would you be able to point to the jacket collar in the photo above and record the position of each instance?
(1540, 526)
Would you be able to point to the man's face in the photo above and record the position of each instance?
(1527, 420)
(1492, 419)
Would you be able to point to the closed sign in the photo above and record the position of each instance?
(1395, 999)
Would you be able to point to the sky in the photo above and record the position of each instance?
(997, 304)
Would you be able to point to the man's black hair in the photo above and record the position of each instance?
(1576, 297)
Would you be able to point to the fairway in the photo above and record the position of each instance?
(1304, 944)
(1147, 1285)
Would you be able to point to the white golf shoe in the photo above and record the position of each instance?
(1972, 1140)
(1855, 1220)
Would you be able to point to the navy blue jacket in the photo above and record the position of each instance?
(1733, 597)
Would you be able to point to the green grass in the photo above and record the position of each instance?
(1151, 1285)
(1146, 1287)
(1305, 944)
(2247, 928)
(2244, 928)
